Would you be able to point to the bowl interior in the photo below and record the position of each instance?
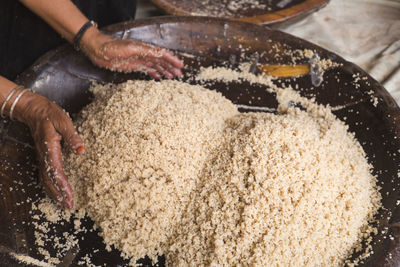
(65, 76)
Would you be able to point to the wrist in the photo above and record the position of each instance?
(76, 42)
(22, 105)
(93, 40)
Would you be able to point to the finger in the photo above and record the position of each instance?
(176, 72)
(53, 176)
(153, 73)
(163, 55)
(159, 68)
(127, 66)
(166, 73)
(139, 56)
(170, 68)
(51, 190)
(172, 59)
(147, 51)
(126, 49)
(138, 65)
(65, 127)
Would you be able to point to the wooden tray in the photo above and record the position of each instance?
(264, 12)
(65, 76)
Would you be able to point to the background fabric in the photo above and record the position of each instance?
(366, 32)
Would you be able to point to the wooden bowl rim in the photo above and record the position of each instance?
(391, 253)
(265, 19)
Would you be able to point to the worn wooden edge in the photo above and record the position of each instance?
(266, 19)
(285, 14)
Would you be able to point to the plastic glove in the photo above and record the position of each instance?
(49, 124)
(128, 55)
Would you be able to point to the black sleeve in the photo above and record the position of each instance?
(24, 37)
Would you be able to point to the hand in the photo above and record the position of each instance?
(49, 124)
(128, 55)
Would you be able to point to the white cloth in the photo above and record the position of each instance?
(366, 32)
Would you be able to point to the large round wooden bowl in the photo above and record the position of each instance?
(65, 76)
(269, 12)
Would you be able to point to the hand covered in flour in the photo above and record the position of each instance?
(49, 124)
(128, 55)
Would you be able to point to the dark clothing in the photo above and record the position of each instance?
(24, 37)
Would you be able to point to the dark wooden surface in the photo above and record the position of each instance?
(65, 76)
(273, 14)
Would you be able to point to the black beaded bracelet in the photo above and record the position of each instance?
(81, 32)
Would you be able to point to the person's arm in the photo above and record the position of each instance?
(5, 88)
(61, 15)
(48, 124)
(104, 50)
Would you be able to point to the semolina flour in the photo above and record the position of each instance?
(175, 169)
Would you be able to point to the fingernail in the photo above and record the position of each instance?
(80, 150)
(180, 64)
(59, 205)
(168, 75)
(69, 204)
(177, 72)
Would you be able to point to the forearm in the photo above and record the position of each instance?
(62, 15)
(5, 88)
(48, 124)
(103, 49)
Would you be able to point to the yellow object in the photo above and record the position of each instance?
(285, 70)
